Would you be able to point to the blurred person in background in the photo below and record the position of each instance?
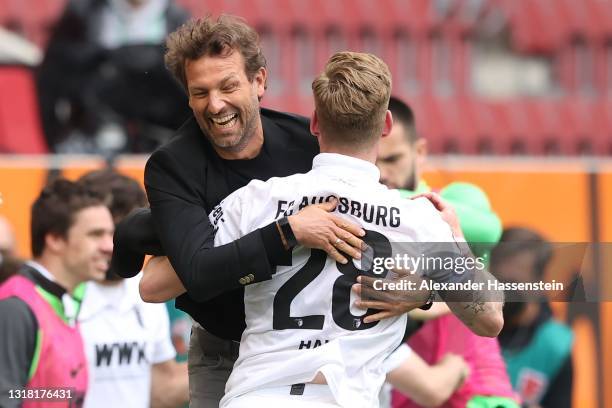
(409, 373)
(401, 160)
(402, 154)
(41, 347)
(127, 342)
(484, 384)
(180, 330)
(537, 347)
(8, 266)
(443, 337)
(9, 263)
(103, 86)
(8, 244)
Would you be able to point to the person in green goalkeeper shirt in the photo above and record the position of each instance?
(402, 155)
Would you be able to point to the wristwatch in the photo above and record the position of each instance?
(430, 300)
(287, 232)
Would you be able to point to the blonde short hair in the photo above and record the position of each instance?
(351, 98)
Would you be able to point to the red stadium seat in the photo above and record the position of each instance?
(572, 130)
(540, 137)
(588, 123)
(427, 122)
(511, 129)
(448, 133)
(34, 21)
(4, 12)
(446, 126)
(20, 128)
(460, 125)
(486, 126)
(603, 139)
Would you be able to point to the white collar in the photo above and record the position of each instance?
(42, 270)
(71, 305)
(122, 297)
(347, 166)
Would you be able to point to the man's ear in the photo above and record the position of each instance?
(388, 124)
(54, 242)
(260, 80)
(314, 124)
(420, 147)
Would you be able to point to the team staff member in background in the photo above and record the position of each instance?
(228, 142)
(537, 347)
(127, 341)
(9, 263)
(8, 246)
(401, 158)
(41, 346)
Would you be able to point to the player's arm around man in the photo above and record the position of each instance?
(480, 310)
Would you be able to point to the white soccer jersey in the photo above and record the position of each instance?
(302, 321)
(123, 338)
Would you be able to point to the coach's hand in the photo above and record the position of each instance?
(315, 227)
(390, 302)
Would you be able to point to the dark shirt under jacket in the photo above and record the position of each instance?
(185, 179)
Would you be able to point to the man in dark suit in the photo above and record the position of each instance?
(228, 142)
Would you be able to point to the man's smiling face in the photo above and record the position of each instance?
(224, 101)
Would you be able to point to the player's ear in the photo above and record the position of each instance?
(388, 124)
(420, 146)
(314, 124)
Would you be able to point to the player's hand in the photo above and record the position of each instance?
(390, 302)
(315, 227)
(447, 211)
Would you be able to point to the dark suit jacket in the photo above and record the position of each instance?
(184, 180)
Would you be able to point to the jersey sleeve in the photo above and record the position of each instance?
(444, 255)
(245, 210)
(397, 358)
(433, 228)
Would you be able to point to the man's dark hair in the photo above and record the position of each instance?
(403, 114)
(54, 210)
(518, 240)
(122, 193)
